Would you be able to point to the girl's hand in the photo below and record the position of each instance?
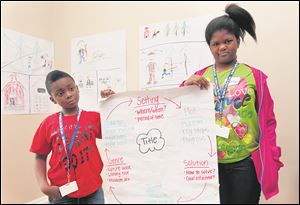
(197, 80)
(106, 93)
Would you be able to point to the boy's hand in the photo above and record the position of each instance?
(52, 191)
(106, 93)
(197, 80)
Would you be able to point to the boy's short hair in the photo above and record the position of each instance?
(54, 76)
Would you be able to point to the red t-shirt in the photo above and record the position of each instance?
(86, 163)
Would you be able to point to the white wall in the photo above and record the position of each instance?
(276, 53)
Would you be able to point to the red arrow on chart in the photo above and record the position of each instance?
(130, 101)
(111, 190)
(186, 201)
(211, 154)
(178, 106)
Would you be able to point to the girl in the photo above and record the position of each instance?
(248, 155)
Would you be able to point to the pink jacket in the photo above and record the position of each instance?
(266, 157)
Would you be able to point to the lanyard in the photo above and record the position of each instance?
(222, 91)
(62, 132)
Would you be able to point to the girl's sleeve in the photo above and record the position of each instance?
(271, 125)
(271, 122)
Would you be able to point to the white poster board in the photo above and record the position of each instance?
(170, 52)
(98, 62)
(160, 146)
(25, 62)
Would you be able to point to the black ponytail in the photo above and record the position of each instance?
(237, 22)
(243, 19)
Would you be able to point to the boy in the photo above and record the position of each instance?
(75, 163)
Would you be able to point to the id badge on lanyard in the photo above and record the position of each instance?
(62, 132)
(221, 92)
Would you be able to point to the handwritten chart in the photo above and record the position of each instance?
(160, 146)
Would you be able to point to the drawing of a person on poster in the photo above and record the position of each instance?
(151, 68)
(82, 51)
(13, 93)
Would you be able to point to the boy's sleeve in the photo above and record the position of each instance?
(40, 144)
(98, 121)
